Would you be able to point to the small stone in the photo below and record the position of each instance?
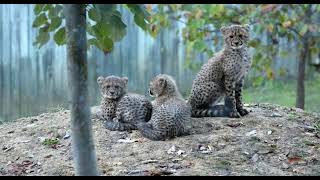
(202, 148)
(66, 136)
(252, 133)
(127, 140)
(180, 152)
(269, 132)
(275, 115)
(171, 150)
(255, 158)
(310, 134)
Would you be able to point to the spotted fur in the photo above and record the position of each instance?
(171, 114)
(121, 110)
(223, 75)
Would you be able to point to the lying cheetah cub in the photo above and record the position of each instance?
(170, 113)
(121, 110)
(222, 75)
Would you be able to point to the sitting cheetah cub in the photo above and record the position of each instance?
(170, 114)
(222, 75)
(122, 110)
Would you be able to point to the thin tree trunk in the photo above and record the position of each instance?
(301, 74)
(302, 63)
(82, 141)
(20, 67)
(1, 66)
(11, 80)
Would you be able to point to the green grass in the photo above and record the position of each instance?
(284, 93)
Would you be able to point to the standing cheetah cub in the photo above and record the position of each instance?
(170, 112)
(222, 75)
(121, 110)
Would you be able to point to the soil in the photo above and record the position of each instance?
(271, 140)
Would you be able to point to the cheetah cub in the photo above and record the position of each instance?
(121, 110)
(170, 112)
(223, 75)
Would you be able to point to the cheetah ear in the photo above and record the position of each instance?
(224, 30)
(125, 80)
(246, 27)
(100, 80)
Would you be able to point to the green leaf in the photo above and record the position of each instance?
(40, 20)
(42, 38)
(105, 10)
(138, 9)
(55, 11)
(47, 7)
(60, 36)
(200, 45)
(101, 30)
(106, 44)
(303, 30)
(94, 15)
(140, 21)
(141, 15)
(55, 23)
(254, 43)
(37, 9)
(93, 41)
(117, 28)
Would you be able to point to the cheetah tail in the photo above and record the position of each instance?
(148, 132)
(214, 111)
(118, 126)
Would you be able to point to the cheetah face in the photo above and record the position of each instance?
(112, 87)
(235, 36)
(157, 86)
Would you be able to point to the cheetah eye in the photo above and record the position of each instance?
(231, 36)
(116, 86)
(108, 86)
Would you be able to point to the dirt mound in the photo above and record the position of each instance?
(271, 140)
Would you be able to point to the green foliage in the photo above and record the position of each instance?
(50, 142)
(60, 36)
(203, 21)
(104, 24)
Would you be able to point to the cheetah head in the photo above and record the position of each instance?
(235, 36)
(161, 85)
(112, 87)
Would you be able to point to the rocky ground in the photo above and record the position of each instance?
(272, 140)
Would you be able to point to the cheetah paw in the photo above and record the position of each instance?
(243, 112)
(234, 114)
